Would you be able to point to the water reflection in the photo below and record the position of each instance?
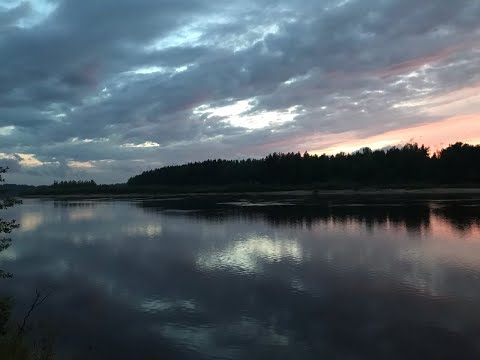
(412, 217)
(251, 253)
(177, 279)
(30, 221)
(149, 230)
(75, 204)
(463, 218)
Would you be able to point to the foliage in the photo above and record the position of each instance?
(6, 226)
(410, 164)
(13, 344)
(14, 189)
(73, 183)
(397, 167)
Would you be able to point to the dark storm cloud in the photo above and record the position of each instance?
(13, 165)
(130, 72)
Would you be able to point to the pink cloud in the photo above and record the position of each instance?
(436, 135)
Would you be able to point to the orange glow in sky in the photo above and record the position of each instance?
(458, 114)
(436, 135)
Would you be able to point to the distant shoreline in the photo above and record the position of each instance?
(320, 193)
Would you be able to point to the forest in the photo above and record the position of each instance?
(410, 164)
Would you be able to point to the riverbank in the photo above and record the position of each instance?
(444, 191)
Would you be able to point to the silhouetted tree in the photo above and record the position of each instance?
(13, 342)
(409, 164)
(6, 226)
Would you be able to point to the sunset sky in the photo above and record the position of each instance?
(105, 89)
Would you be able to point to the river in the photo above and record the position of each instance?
(250, 278)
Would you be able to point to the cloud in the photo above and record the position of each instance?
(83, 79)
(13, 165)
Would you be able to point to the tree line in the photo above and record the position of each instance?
(410, 164)
(74, 183)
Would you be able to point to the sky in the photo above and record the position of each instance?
(104, 90)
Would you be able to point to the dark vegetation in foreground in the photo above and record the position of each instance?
(410, 166)
(13, 336)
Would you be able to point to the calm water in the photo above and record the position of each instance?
(251, 279)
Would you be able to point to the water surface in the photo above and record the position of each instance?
(211, 278)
